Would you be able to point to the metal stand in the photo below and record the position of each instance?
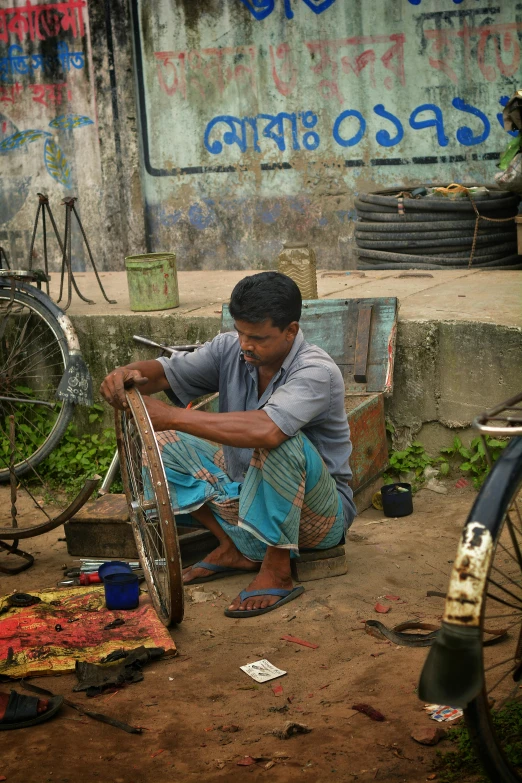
(43, 207)
(65, 248)
(70, 209)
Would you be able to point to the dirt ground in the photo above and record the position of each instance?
(183, 701)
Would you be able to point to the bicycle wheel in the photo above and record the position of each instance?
(494, 717)
(151, 514)
(33, 358)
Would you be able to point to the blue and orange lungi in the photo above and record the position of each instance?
(287, 499)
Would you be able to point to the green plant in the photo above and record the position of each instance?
(77, 458)
(466, 459)
(474, 457)
(455, 765)
(411, 460)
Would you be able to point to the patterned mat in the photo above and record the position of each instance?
(31, 645)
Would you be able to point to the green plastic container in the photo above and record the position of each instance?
(152, 281)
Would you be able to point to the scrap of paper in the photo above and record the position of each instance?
(443, 714)
(262, 671)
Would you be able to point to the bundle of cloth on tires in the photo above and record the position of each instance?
(451, 227)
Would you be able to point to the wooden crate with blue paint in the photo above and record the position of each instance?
(359, 334)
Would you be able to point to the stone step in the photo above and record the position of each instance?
(321, 564)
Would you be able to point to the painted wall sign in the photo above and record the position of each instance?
(261, 120)
(47, 121)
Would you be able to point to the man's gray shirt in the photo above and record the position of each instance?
(306, 394)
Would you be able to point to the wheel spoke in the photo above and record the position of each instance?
(514, 539)
(509, 671)
(505, 590)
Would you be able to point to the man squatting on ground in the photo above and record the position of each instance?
(279, 482)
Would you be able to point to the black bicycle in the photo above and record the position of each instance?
(476, 660)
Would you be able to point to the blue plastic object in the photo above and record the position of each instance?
(113, 567)
(121, 591)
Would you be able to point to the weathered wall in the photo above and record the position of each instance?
(68, 126)
(260, 119)
(446, 373)
(257, 120)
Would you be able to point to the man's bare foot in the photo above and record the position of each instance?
(226, 554)
(274, 573)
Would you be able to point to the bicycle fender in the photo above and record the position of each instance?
(467, 586)
(65, 323)
(452, 674)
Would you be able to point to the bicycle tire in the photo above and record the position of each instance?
(151, 532)
(495, 499)
(67, 409)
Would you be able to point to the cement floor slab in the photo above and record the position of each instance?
(453, 295)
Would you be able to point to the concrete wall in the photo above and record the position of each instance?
(68, 127)
(257, 120)
(261, 119)
(446, 373)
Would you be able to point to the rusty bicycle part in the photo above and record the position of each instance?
(484, 592)
(152, 518)
(12, 549)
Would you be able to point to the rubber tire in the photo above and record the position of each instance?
(504, 266)
(433, 244)
(493, 203)
(392, 216)
(457, 259)
(68, 408)
(442, 226)
(476, 713)
(429, 236)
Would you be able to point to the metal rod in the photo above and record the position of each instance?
(46, 263)
(110, 475)
(167, 348)
(12, 474)
(69, 260)
(64, 255)
(27, 401)
(3, 257)
(30, 265)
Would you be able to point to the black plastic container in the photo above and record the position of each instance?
(396, 503)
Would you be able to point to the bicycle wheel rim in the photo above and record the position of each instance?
(151, 514)
(33, 359)
(501, 697)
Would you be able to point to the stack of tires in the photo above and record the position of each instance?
(400, 232)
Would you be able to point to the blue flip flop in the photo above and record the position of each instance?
(218, 572)
(285, 597)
